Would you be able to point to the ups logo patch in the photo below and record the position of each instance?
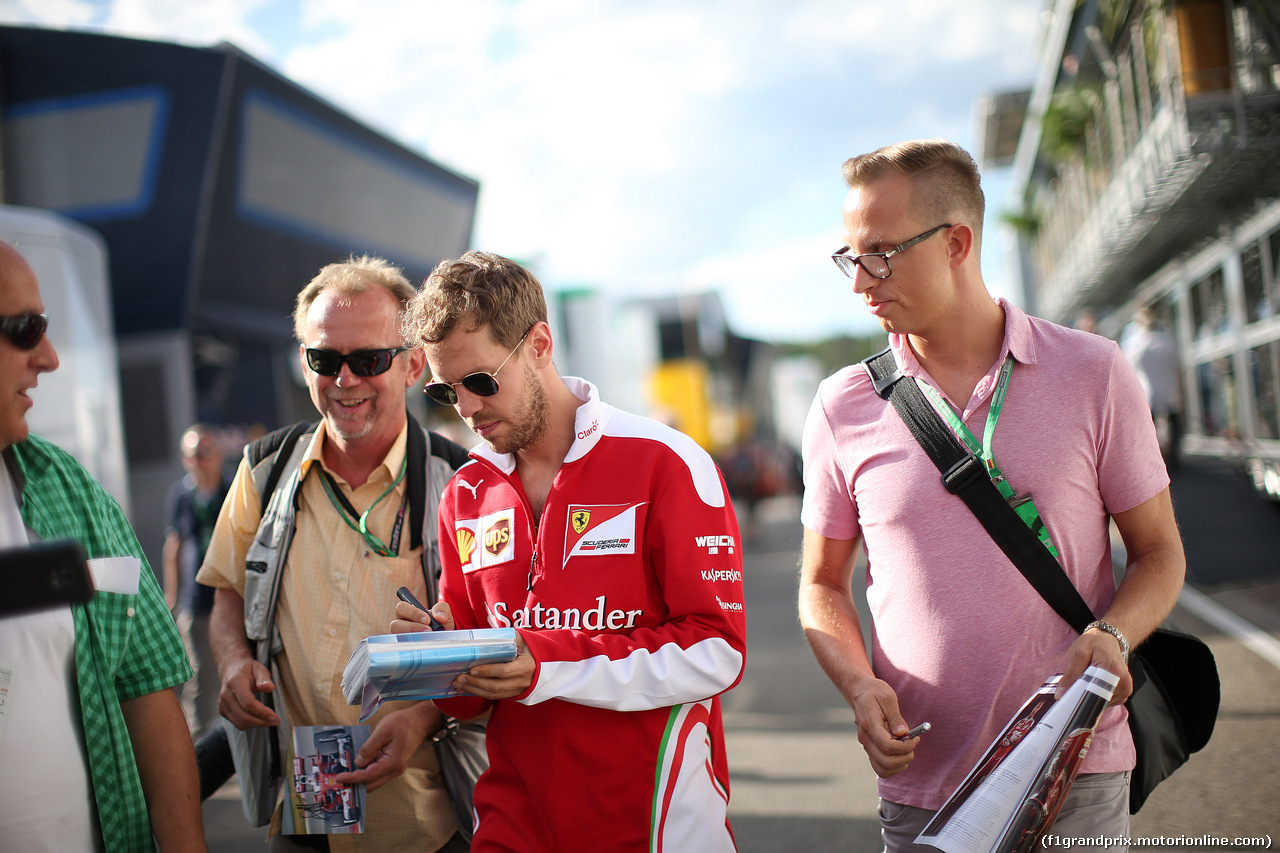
(497, 536)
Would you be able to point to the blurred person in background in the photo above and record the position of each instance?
(192, 507)
(94, 750)
(1151, 350)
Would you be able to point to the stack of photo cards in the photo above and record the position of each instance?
(421, 665)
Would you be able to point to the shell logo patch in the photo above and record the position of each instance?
(601, 530)
(486, 541)
(466, 545)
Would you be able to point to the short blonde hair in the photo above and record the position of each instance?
(946, 178)
(351, 277)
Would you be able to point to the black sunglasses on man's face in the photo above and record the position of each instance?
(24, 330)
(365, 362)
(481, 383)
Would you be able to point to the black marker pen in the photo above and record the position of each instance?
(408, 597)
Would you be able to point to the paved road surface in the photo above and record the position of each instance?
(800, 781)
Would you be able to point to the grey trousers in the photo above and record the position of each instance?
(1097, 806)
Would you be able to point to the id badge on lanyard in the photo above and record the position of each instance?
(1023, 505)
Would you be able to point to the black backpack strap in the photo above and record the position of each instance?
(416, 459)
(281, 443)
(450, 451)
(965, 476)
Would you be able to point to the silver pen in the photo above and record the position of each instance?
(917, 731)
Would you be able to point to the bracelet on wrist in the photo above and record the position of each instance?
(1115, 632)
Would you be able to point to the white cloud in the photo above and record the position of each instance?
(788, 290)
(633, 146)
(194, 23)
(49, 13)
(912, 33)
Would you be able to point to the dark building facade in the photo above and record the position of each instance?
(220, 188)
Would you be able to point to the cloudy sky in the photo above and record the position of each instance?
(640, 147)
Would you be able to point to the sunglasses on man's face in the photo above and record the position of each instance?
(365, 362)
(24, 330)
(481, 384)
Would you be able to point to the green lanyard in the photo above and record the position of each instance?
(1022, 504)
(347, 511)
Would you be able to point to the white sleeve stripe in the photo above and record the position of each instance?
(706, 477)
(644, 679)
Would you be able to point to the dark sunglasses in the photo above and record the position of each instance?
(365, 362)
(24, 330)
(480, 384)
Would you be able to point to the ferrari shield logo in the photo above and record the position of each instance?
(581, 518)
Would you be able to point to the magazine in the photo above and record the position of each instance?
(316, 804)
(419, 666)
(1011, 797)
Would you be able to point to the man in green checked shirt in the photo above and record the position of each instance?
(94, 749)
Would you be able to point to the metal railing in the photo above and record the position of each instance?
(1147, 146)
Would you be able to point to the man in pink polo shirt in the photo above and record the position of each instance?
(961, 639)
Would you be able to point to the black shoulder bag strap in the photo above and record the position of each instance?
(213, 753)
(424, 493)
(965, 476)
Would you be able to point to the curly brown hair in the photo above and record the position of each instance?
(479, 289)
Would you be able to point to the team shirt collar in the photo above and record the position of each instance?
(589, 423)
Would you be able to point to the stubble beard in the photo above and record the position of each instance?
(531, 421)
(346, 428)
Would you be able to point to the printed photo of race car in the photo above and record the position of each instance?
(319, 803)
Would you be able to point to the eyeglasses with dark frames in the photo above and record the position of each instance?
(876, 264)
(481, 384)
(24, 331)
(364, 363)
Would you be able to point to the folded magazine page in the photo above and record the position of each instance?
(315, 803)
(419, 666)
(1011, 797)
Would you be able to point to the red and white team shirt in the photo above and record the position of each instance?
(628, 592)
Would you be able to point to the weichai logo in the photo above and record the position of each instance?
(713, 544)
(497, 536)
(466, 545)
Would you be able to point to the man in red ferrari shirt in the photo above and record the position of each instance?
(608, 542)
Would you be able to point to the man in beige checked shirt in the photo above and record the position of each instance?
(339, 583)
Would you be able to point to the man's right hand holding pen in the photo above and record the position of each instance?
(490, 681)
(413, 616)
